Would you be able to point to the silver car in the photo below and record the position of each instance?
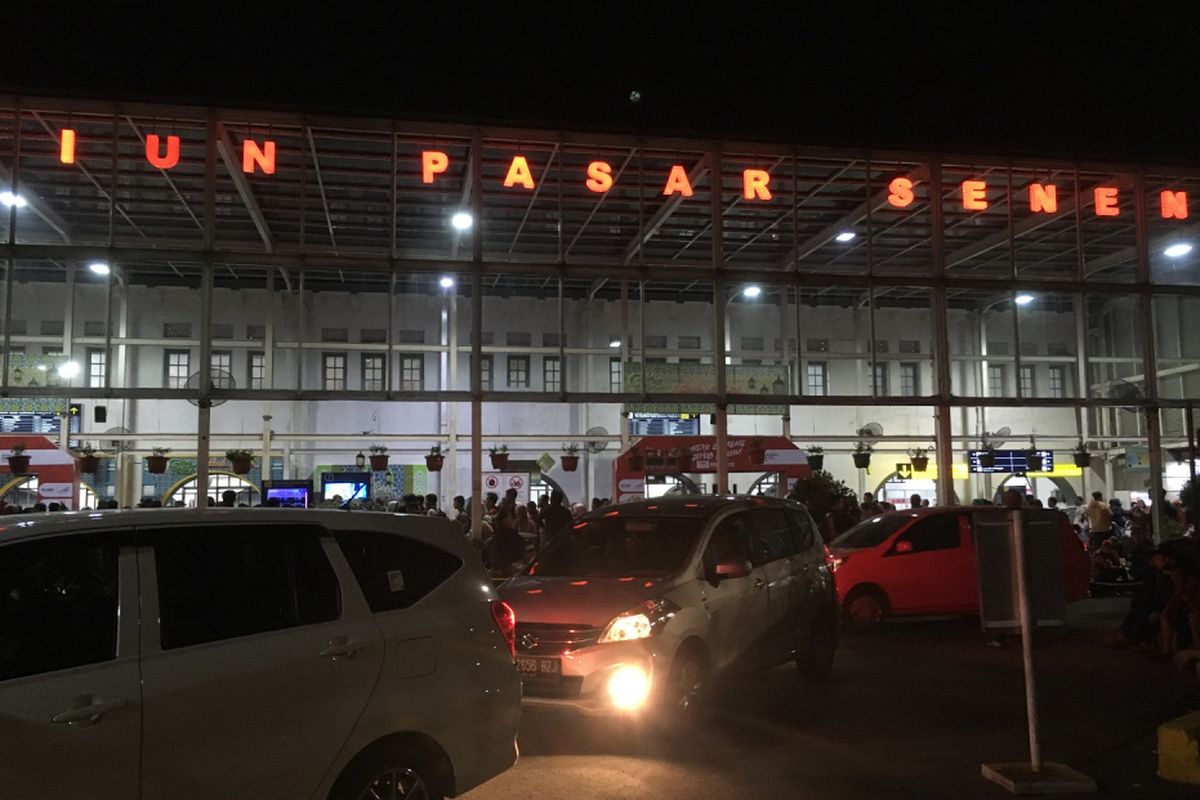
(249, 653)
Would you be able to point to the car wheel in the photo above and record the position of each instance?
(393, 773)
(686, 684)
(865, 610)
(816, 663)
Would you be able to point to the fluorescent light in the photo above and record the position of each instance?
(615, 343)
(9, 199)
(42, 367)
(462, 221)
(1178, 250)
(68, 369)
(845, 236)
(99, 267)
(752, 291)
(1024, 299)
(447, 282)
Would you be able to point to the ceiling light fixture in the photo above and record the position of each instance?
(752, 291)
(845, 236)
(446, 282)
(462, 221)
(1024, 299)
(9, 199)
(68, 369)
(1177, 250)
(100, 268)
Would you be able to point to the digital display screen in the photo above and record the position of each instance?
(347, 490)
(657, 424)
(1012, 461)
(289, 496)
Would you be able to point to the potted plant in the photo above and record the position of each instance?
(18, 462)
(499, 456)
(570, 457)
(679, 459)
(862, 455)
(1081, 456)
(816, 458)
(756, 452)
(378, 457)
(919, 456)
(636, 462)
(987, 456)
(89, 462)
(434, 459)
(240, 461)
(156, 462)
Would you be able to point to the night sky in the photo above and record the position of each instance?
(1004, 78)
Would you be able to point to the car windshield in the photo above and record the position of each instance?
(620, 545)
(871, 532)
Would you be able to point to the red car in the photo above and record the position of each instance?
(923, 562)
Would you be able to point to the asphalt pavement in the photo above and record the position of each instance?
(913, 711)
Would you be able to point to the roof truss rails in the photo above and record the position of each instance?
(227, 150)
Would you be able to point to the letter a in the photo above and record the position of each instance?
(252, 156)
(66, 149)
(599, 177)
(433, 162)
(677, 181)
(1043, 198)
(165, 161)
(518, 172)
(900, 192)
(1173, 204)
(754, 184)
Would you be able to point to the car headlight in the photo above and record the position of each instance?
(640, 622)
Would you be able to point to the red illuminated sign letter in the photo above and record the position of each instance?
(1173, 204)
(599, 176)
(433, 162)
(264, 158)
(165, 161)
(1043, 198)
(677, 181)
(66, 150)
(754, 184)
(900, 192)
(518, 172)
(1106, 201)
(974, 195)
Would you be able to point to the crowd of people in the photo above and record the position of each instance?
(846, 512)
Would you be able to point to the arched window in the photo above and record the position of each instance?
(184, 492)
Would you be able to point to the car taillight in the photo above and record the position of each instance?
(506, 622)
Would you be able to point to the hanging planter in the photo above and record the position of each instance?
(816, 458)
(240, 461)
(89, 462)
(919, 458)
(18, 462)
(434, 459)
(862, 455)
(987, 456)
(655, 458)
(570, 457)
(756, 452)
(499, 457)
(636, 462)
(156, 462)
(378, 458)
(1082, 458)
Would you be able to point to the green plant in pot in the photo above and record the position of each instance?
(499, 456)
(1081, 456)
(919, 458)
(18, 462)
(819, 493)
(816, 458)
(378, 457)
(89, 462)
(434, 459)
(570, 457)
(156, 462)
(862, 455)
(240, 461)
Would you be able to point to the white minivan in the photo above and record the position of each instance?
(249, 653)
(639, 606)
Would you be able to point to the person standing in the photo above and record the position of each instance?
(556, 518)
(1099, 517)
(870, 507)
(431, 506)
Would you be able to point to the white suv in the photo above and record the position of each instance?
(247, 654)
(638, 606)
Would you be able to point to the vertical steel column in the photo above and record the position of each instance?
(269, 334)
(450, 479)
(204, 421)
(477, 338)
(1190, 422)
(1082, 414)
(1149, 361)
(266, 450)
(716, 207)
(943, 435)
(9, 264)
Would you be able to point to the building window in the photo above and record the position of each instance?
(177, 330)
(485, 373)
(551, 374)
(221, 360)
(372, 372)
(372, 335)
(996, 380)
(689, 342)
(910, 380)
(817, 373)
(816, 345)
(616, 382)
(1058, 381)
(257, 369)
(335, 335)
(910, 346)
(412, 373)
(1027, 383)
(177, 365)
(96, 363)
(518, 372)
(333, 372)
(879, 379)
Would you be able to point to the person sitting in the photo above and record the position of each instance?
(1106, 563)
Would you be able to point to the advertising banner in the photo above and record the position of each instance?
(701, 379)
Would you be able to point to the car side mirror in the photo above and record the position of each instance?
(902, 547)
(723, 571)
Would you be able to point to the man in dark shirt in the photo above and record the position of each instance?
(555, 518)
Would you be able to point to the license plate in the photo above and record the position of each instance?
(531, 667)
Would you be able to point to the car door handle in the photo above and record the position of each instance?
(340, 646)
(759, 583)
(88, 712)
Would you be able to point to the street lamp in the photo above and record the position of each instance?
(360, 460)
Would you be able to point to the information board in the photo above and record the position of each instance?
(1011, 461)
(648, 423)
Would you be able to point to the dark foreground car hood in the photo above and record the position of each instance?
(577, 601)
